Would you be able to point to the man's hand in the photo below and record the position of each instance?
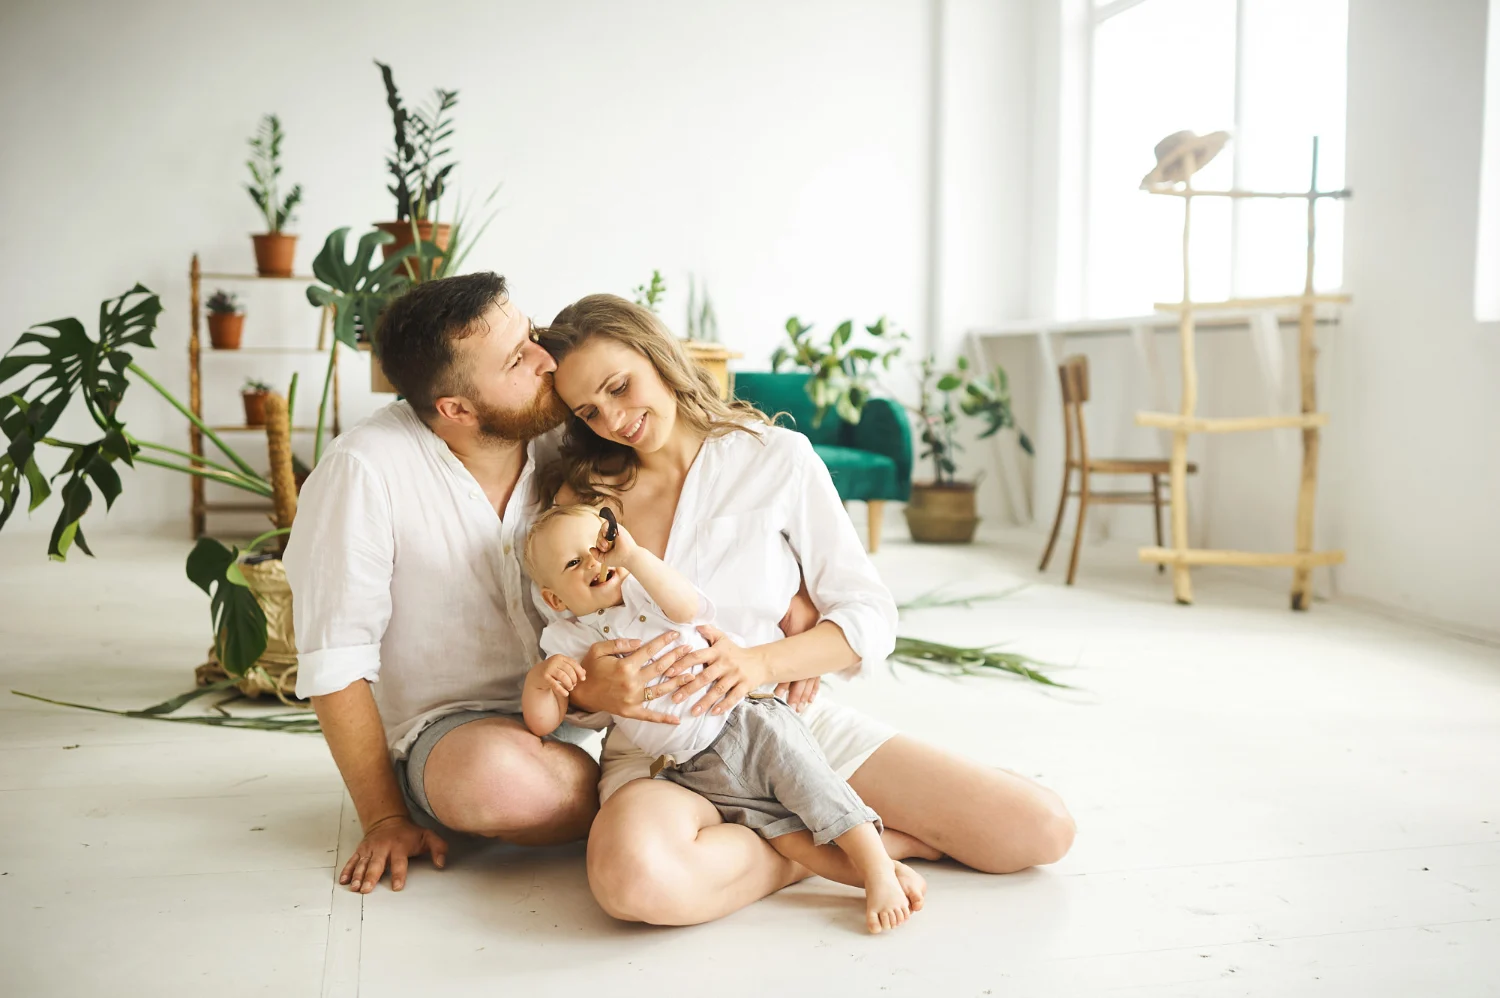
(391, 841)
(800, 695)
(801, 613)
(616, 674)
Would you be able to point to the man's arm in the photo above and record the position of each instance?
(356, 738)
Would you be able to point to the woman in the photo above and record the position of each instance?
(747, 510)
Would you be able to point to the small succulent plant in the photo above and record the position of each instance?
(224, 303)
(255, 387)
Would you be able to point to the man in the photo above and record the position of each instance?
(414, 619)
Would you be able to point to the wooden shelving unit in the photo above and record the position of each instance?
(1304, 558)
(201, 506)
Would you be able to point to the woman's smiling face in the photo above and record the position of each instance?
(617, 392)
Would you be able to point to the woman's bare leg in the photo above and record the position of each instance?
(989, 819)
(660, 853)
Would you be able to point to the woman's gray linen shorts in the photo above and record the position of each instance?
(765, 771)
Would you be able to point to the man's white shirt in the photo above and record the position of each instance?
(402, 574)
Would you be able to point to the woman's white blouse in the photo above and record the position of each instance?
(756, 511)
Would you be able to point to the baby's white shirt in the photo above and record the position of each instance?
(640, 618)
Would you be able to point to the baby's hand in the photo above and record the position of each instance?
(616, 554)
(558, 674)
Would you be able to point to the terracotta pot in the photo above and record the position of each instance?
(225, 329)
(942, 514)
(402, 232)
(255, 408)
(274, 252)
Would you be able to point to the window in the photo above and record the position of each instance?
(1272, 72)
(1487, 264)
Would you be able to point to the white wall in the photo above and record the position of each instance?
(778, 148)
(1415, 444)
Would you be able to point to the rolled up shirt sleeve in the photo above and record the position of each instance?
(339, 563)
(843, 582)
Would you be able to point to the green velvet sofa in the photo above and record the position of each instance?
(869, 461)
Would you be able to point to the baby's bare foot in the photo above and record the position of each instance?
(886, 902)
(900, 845)
(913, 884)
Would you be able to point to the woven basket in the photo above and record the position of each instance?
(275, 672)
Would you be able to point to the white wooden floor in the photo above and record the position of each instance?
(1269, 804)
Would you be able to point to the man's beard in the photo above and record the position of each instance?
(545, 412)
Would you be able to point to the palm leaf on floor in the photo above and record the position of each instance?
(955, 660)
(288, 721)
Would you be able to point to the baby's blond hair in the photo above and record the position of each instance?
(552, 515)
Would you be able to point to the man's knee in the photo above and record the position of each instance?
(515, 787)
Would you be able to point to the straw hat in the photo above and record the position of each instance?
(1176, 151)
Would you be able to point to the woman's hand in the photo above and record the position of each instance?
(391, 840)
(732, 672)
(616, 674)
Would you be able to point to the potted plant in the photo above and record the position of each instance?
(943, 510)
(840, 377)
(254, 393)
(418, 168)
(226, 320)
(274, 249)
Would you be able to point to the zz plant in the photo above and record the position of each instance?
(416, 161)
(265, 171)
(986, 399)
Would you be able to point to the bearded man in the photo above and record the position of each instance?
(414, 617)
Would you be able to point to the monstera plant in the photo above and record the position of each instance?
(56, 365)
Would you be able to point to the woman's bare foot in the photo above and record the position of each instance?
(886, 902)
(913, 883)
(900, 845)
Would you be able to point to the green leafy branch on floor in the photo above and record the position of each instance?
(952, 661)
(297, 721)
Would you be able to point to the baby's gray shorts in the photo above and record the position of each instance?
(765, 771)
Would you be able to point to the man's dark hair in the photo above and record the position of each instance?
(415, 335)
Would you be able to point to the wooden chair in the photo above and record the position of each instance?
(1074, 374)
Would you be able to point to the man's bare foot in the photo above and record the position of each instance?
(899, 845)
(886, 903)
(913, 883)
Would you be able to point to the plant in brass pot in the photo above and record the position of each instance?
(943, 510)
(254, 394)
(226, 320)
(419, 166)
(56, 364)
(274, 249)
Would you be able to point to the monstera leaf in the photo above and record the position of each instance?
(358, 290)
(239, 622)
(62, 362)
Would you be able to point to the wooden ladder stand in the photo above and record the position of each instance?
(1186, 422)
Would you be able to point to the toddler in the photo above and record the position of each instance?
(757, 763)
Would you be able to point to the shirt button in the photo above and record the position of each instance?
(606, 628)
(643, 618)
(601, 613)
(474, 494)
(507, 549)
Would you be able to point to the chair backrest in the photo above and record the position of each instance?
(1073, 372)
(778, 393)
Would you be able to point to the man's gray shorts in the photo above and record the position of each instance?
(409, 771)
(765, 771)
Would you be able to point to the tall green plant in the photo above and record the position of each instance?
(841, 377)
(416, 161)
(55, 363)
(265, 171)
(987, 399)
(650, 295)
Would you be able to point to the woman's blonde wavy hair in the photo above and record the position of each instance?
(586, 458)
